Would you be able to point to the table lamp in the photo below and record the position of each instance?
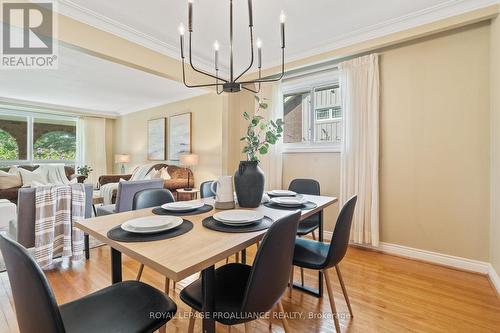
(122, 158)
(189, 160)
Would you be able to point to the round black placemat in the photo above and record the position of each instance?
(201, 210)
(307, 206)
(213, 224)
(120, 235)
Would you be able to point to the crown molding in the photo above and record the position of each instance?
(432, 14)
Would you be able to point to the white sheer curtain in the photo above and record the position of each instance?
(94, 147)
(359, 82)
(272, 163)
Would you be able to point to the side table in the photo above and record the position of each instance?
(193, 193)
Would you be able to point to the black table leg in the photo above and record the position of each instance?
(321, 238)
(319, 291)
(116, 266)
(207, 287)
(87, 246)
(244, 256)
(95, 211)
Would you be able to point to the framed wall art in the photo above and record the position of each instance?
(157, 144)
(179, 136)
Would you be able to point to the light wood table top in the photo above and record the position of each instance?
(179, 257)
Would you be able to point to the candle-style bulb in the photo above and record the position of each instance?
(216, 48)
(190, 15)
(182, 30)
(259, 53)
(250, 13)
(282, 17)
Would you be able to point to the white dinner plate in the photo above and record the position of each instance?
(282, 193)
(151, 224)
(238, 216)
(288, 201)
(237, 224)
(183, 206)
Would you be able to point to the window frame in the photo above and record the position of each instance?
(30, 119)
(311, 84)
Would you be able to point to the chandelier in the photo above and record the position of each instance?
(233, 83)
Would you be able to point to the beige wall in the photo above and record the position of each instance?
(434, 164)
(495, 141)
(207, 113)
(324, 167)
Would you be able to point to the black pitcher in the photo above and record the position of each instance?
(249, 184)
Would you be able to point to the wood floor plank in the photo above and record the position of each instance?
(387, 293)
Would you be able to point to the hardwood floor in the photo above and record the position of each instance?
(388, 294)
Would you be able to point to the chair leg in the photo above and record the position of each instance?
(86, 241)
(314, 235)
(284, 320)
(237, 257)
(192, 319)
(291, 282)
(302, 276)
(167, 285)
(344, 290)
(139, 273)
(332, 301)
(173, 286)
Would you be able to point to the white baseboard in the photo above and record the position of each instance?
(475, 266)
(494, 278)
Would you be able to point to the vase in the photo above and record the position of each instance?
(249, 182)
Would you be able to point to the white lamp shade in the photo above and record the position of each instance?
(122, 158)
(189, 159)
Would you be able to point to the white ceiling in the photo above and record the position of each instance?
(88, 84)
(313, 26)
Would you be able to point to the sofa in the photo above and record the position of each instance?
(11, 194)
(179, 178)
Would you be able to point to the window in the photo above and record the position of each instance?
(312, 114)
(13, 137)
(33, 138)
(54, 140)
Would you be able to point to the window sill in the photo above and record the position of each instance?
(311, 148)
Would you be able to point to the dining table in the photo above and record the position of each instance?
(195, 251)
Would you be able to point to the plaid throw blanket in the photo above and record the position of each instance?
(55, 209)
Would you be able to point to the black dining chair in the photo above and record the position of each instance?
(243, 291)
(122, 307)
(310, 224)
(321, 256)
(206, 189)
(311, 187)
(147, 199)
